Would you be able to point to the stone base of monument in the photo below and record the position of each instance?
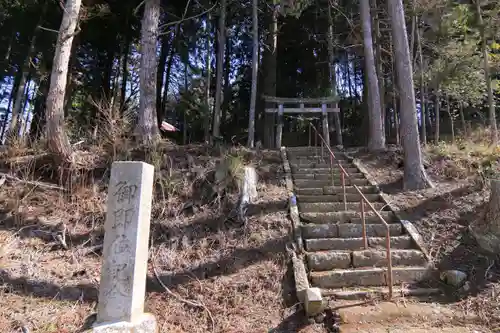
(145, 324)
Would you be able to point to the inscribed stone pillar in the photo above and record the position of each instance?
(125, 252)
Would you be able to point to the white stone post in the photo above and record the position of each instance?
(125, 253)
(279, 128)
(326, 131)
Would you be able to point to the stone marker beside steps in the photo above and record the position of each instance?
(125, 253)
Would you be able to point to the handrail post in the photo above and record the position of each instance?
(389, 276)
(332, 171)
(343, 189)
(309, 136)
(363, 221)
(389, 260)
(322, 152)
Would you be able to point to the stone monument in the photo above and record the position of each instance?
(125, 253)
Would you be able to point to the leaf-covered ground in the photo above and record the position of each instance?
(236, 272)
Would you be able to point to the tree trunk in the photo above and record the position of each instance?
(415, 176)
(159, 76)
(255, 71)
(208, 69)
(487, 76)
(462, 120)
(270, 65)
(437, 115)
(412, 33)
(147, 127)
(395, 106)
(226, 95)
(125, 53)
(25, 132)
(184, 115)
(422, 88)
(333, 79)
(58, 141)
(25, 112)
(39, 119)
(486, 229)
(378, 62)
(17, 109)
(169, 71)
(376, 137)
(219, 69)
(452, 123)
(73, 60)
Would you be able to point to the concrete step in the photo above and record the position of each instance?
(346, 217)
(307, 207)
(308, 183)
(354, 244)
(366, 277)
(322, 261)
(348, 230)
(406, 316)
(326, 176)
(350, 197)
(334, 190)
(325, 171)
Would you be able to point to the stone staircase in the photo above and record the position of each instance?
(337, 261)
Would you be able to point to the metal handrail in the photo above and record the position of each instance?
(343, 174)
(387, 235)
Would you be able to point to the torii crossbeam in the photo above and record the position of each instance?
(282, 105)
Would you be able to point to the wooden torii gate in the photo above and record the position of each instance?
(282, 105)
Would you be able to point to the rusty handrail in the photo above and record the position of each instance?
(387, 236)
(343, 174)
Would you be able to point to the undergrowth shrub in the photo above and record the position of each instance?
(473, 157)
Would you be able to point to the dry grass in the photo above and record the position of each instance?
(51, 239)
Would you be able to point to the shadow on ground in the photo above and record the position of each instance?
(439, 202)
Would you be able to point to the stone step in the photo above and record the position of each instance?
(325, 171)
(323, 165)
(350, 197)
(335, 190)
(348, 230)
(347, 217)
(312, 153)
(307, 183)
(367, 277)
(338, 189)
(378, 292)
(320, 207)
(378, 258)
(326, 176)
(327, 181)
(322, 261)
(319, 160)
(354, 244)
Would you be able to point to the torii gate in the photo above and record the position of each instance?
(314, 105)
